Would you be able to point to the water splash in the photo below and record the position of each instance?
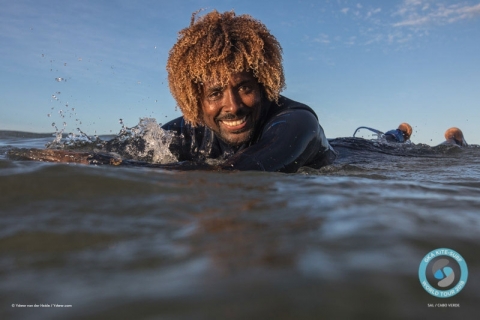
(58, 134)
(76, 141)
(146, 141)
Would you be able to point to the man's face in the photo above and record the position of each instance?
(233, 110)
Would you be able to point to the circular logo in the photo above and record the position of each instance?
(443, 273)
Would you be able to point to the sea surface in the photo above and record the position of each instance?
(343, 242)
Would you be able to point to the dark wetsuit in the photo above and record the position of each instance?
(287, 137)
(395, 136)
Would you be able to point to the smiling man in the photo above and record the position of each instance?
(226, 74)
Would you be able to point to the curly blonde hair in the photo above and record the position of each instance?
(216, 46)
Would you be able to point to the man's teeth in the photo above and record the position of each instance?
(234, 123)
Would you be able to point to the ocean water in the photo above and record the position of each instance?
(342, 242)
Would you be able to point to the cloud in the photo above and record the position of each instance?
(373, 11)
(322, 38)
(375, 39)
(419, 13)
(351, 41)
(397, 25)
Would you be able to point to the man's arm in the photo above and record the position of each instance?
(95, 158)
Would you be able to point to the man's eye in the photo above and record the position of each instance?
(245, 89)
(215, 95)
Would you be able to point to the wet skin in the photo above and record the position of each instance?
(232, 111)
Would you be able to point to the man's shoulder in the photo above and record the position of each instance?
(285, 104)
(296, 116)
(175, 124)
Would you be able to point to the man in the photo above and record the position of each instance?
(226, 74)
(454, 136)
(401, 134)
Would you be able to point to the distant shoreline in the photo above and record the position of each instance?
(24, 134)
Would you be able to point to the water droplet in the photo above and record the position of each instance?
(64, 124)
(65, 64)
(59, 79)
(53, 124)
(49, 115)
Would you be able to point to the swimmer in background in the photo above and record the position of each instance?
(401, 134)
(454, 136)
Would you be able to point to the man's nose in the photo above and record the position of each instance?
(233, 102)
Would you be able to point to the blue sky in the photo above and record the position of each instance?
(356, 63)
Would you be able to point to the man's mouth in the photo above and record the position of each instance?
(234, 124)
